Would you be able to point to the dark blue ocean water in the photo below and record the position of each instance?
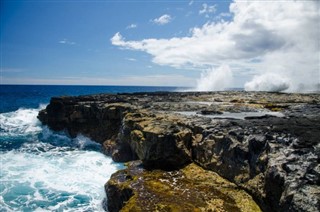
(14, 97)
(42, 170)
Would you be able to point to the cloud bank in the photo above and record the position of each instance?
(270, 40)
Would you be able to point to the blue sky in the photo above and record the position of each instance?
(143, 42)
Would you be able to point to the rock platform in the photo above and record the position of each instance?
(202, 151)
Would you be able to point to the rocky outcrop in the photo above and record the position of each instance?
(270, 158)
(266, 143)
(89, 116)
(188, 189)
(160, 141)
(97, 117)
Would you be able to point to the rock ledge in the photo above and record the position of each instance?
(267, 144)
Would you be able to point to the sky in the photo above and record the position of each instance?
(207, 45)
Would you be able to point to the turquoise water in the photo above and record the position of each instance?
(42, 170)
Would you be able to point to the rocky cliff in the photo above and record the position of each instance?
(267, 144)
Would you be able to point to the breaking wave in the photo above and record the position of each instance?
(268, 82)
(215, 79)
(43, 170)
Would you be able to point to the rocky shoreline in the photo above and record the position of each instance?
(208, 151)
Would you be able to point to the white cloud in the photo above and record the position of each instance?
(132, 26)
(131, 59)
(67, 42)
(207, 9)
(222, 16)
(191, 3)
(281, 37)
(162, 20)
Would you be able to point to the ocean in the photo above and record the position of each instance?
(42, 170)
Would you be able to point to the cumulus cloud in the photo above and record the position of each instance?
(281, 37)
(162, 20)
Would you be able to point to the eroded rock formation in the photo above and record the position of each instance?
(266, 143)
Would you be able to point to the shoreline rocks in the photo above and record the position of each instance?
(188, 189)
(273, 158)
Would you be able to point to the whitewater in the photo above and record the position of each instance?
(42, 170)
(45, 170)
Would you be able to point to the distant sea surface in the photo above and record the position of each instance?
(42, 170)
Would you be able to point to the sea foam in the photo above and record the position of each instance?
(43, 170)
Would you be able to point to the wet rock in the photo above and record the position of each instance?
(210, 112)
(88, 116)
(119, 192)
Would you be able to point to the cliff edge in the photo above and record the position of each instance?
(265, 144)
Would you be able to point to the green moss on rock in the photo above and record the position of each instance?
(189, 189)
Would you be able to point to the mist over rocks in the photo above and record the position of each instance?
(267, 144)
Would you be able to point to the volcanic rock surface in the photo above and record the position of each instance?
(266, 144)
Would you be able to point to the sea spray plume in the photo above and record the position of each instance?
(215, 79)
(268, 82)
